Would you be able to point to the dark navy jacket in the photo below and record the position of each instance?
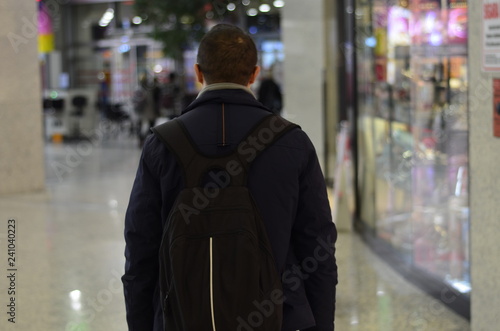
(288, 187)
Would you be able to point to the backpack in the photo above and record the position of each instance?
(217, 270)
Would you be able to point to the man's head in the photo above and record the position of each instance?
(227, 54)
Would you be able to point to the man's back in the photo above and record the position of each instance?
(286, 184)
(285, 181)
(274, 177)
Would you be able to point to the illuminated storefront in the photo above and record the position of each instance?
(412, 134)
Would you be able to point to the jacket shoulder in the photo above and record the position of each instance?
(297, 138)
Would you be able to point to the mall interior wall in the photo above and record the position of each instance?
(484, 164)
(331, 88)
(21, 142)
(303, 36)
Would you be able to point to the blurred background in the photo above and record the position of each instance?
(400, 98)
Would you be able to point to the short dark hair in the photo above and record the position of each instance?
(227, 54)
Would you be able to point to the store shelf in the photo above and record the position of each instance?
(441, 50)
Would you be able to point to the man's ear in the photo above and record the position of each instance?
(199, 74)
(254, 75)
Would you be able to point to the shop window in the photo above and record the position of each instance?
(413, 132)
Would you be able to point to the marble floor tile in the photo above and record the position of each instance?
(69, 255)
(371, 296)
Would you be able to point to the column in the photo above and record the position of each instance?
(303, 33)
(484, 153)
(21, 141)
(332, 58)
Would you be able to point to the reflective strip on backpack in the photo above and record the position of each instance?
(212, 284)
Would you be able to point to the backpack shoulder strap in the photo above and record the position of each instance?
(263, 135)
(175, 136)
(194, 165)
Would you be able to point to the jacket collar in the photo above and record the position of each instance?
(237, 96)
(225, 86)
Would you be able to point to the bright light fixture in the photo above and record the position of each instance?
(245, 2)
(252, 12)
(158, 68)
(463, 287)
(137, 20)
(75, 295)
(231, 6)
(265, 8)
(124, 48)
(279, 3)
(107, 17)
(371, 42)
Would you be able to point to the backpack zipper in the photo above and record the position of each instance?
(212, 284)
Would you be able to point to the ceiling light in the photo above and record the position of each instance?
(137, 20)
(231, 6)
(75, 295)
(252, 12)
(279, 3)
(107, 17)
(265, 8)
(123, 49)
(158, 68)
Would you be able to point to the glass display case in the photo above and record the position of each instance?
(413, 131)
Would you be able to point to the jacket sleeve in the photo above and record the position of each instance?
(314, 236)
(142, 237)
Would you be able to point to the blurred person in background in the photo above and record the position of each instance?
(269, 93)
(170, 97)
(146, 103)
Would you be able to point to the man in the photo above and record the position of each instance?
(269, 93)
(285, 181)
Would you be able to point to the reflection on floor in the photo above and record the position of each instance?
(372, 297)
(69, 254)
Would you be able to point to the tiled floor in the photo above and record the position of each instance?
(69, 254)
